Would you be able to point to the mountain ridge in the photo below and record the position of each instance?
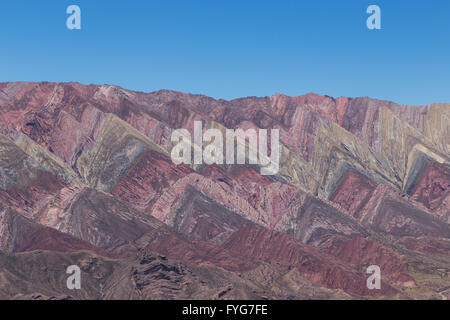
(361, 180)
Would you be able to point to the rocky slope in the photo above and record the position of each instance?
(86, 178)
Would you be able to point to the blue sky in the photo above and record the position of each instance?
(229, 49)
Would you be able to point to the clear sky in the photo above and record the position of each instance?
(234, 48)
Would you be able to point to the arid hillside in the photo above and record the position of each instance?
(86, 178)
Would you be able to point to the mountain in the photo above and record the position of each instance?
(87, 179)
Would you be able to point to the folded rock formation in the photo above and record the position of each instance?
(86, 179)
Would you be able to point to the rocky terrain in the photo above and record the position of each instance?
(86, 179)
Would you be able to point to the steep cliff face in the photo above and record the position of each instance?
(86, 175)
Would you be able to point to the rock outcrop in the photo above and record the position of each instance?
(86, 178)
